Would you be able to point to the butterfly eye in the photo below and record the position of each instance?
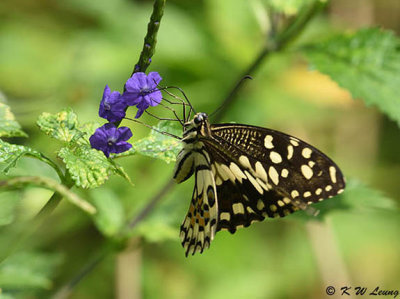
(198, 119)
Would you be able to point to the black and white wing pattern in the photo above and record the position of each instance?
(265, 173)
(245, 173)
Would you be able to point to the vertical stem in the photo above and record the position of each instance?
(150, 39)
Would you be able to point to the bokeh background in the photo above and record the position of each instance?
(56, 54)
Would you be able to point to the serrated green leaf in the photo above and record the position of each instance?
(89, 168)
(9, 127)
(288, 7)
(160, 146)
(11, 153)
(62, 125)
(367, 63)
(27, 270)
(110, 214)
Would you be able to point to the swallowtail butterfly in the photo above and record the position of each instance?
(245, 173)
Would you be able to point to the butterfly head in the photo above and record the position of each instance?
(198, 125)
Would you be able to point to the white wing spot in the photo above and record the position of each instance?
(307, 194)
(237, 172)
(332, 172)
(268, 142)
(328, 188)
(227, 173)
(318, 191)
(275, 157)
(280, 203)
(273, 208)
(289, 152)
(245, 162)
(284, 173)
(254, 182)
(286, 200)
(273, 174)
(250, 210)
(320, 199)
(340, 191)
(311, 163)
(238, 208)
(294, 142)
(306, 152)
(306, 171)
(260, 205)
(225, 216)
(260, 171)
(294, 193)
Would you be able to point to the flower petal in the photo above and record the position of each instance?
(153, 78)
(124, 133)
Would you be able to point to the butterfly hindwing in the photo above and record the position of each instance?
(199, 226)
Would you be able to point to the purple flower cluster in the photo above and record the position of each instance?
(140, 91)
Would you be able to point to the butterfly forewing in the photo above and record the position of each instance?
(291, 167)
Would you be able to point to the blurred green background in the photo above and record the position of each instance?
(56, 54)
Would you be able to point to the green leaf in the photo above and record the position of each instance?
(8, 203)
(8, 126)
(110, 214)
(11, 153)
(288, 7)
(367, 63)
(62, 126)
(160, 146)
(27, 270)
(357, 198)
(89, 168)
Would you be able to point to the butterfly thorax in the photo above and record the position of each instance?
(198, 127)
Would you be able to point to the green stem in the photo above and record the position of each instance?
(276, 42)
(150, 39)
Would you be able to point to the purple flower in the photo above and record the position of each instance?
(112, 106)
(142, 91)
(110, 139)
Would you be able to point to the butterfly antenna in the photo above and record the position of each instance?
(178, 98)
(153, 128)
(237, 86)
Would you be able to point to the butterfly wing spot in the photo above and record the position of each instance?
(294, 141)
(328, 188)
(273, 208)
(245, 162)
(260, 171)
(268, 142)
(290, 152)
(284, 173)
(254, 182)
(306, 152)
(307, 194)
(238, 208)
(260, 205)
(318, 191)
(306, 171)
(275, 157)
(294, 193)
(237, 172)
(273, 174)
(225, 216)
(332, 173)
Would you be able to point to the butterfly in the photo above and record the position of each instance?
(245, 173)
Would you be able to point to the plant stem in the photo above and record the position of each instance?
(150, 39)
(276, 43)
